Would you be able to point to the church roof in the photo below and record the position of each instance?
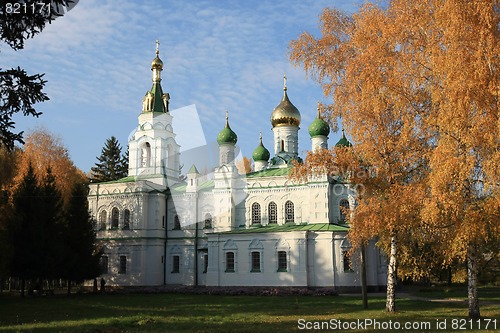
(181, 187)
(227, 135)
(319, 127)
(288, 227)
(343, 142)
(272, 172)
(193, 170)
(285, 113)
(261, 153)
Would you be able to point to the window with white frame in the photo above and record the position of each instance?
(115, 216)
(176, 264)
(256, 216)
(122, 268)
(208, 221)
(126, 219)
(282, 261)
(102, 220)
(344, 210)
(272, 210)
(205, 263)
(255, 256)
(347, 263)
(230, 262)
(289, 212)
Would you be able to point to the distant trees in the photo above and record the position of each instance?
(416, 85)
(112, 164)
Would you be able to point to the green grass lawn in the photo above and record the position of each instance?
(205, 313)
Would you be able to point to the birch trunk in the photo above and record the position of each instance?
(390, 304)
(364, 291)
(472, 271)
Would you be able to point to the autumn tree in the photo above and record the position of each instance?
(19, 91)
(416, 85)
(44, 149)
(244, 166)
(112, 164)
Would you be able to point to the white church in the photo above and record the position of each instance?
(226, 229)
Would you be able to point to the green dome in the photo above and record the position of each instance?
(319, 127)
(227, 135)
(343, 142)
(261, 153)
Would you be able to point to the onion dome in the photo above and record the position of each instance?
(157, 63)
(285, 113)
(261, 153)
(343, 142)
(227, 135)
(319, 126)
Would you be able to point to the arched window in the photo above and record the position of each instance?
(255, 213)
(289, 212)
(282, 261)
(344, 210)
(273, 212)
(126, 219)
(229, 262)
(115, 214)
(177, 222)
(208, 221)
(282, 145)
(102, 220)
(146, 155)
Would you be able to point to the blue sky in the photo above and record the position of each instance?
(217, 55)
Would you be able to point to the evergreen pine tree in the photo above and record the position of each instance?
(51, 220)
(111, 164)
(81, 259)
(24, 229)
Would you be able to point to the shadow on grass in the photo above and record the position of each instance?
(201, 313)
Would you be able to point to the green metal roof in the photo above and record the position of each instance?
(131, 179)
(227, 135)
(181, 187)
(272, 172)
(157, 92)
(261, 153)
(288, 227)
(319, 127)
(343, 142)
(193, 170)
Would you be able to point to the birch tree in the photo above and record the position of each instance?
(416, 85)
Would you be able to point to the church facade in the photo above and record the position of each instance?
(226, 229)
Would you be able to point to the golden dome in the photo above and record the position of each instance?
(285, 113)
(157, 63)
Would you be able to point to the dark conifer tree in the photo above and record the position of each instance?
(81, 259)
(24, 229)
(51, 222)
(111, 164)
